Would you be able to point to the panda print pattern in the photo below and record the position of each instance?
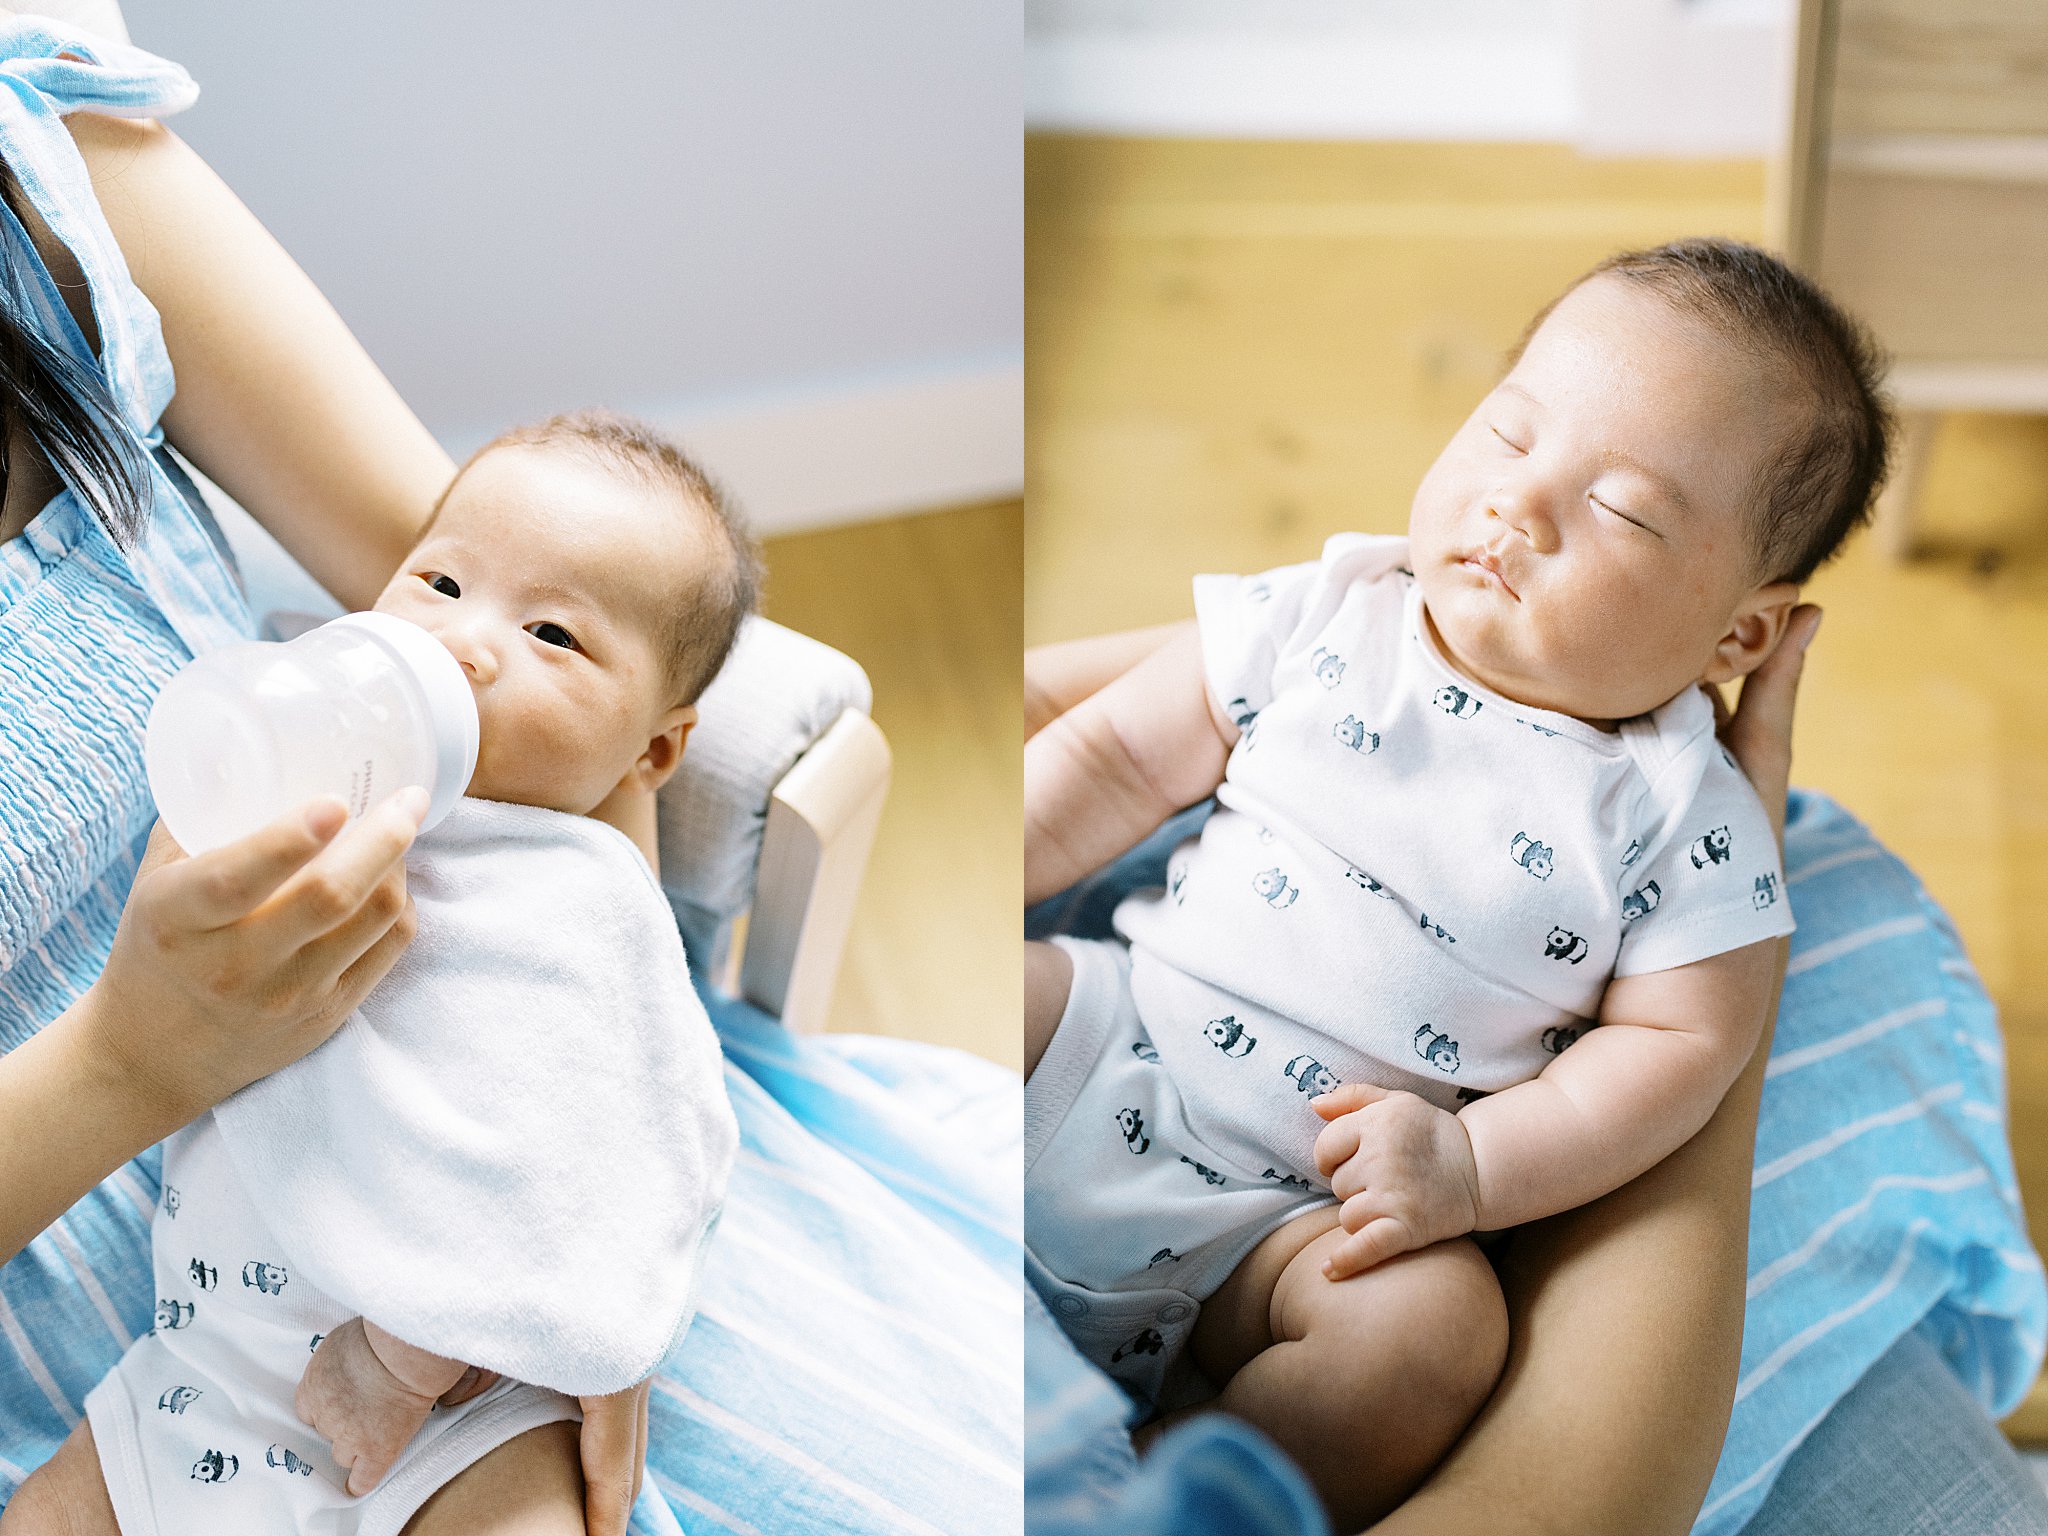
(178, 1399)
(215, 1467)
(1765, 892)
(1273, 885)
(1132, 1124)
(1456, 702)
(1329, 669)
(1436, 1048)
(1558, 1036)
(1311, 1076)
(1351, 732)
(1564, 945)
(1537, 858)
(205, 1276)
(268, 1278)
(1640, 903)
(1228, 1036)
(286, 1460)
(1209, 1175)
(1710, 848)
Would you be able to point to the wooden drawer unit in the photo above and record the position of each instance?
(1914, 185)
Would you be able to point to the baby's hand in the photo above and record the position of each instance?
(365, 1408)
(1402, 1167)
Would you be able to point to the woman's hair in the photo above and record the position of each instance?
(64, 405)
(1818, 486)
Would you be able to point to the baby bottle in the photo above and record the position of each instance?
(360, 708)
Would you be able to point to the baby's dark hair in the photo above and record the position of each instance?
(704, 619)
(1817, 487)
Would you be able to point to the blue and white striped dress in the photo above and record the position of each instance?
(856, 1362)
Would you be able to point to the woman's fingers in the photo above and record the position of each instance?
(612, 1448)
(1760, 732)
(332, 889)
(224, 885)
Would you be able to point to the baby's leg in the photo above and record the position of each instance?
(1366, 1382)
(1048, 977)
(532, 1485)
(65, 1496)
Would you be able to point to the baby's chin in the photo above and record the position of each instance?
(1478, 642)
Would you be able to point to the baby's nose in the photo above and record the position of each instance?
(478, 662)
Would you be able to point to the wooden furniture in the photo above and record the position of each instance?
(1914, 185)
(814, 853)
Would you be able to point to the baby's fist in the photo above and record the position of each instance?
(358, 1406)
(1404, 1170)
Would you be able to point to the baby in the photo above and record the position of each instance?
(1471, 805)
(590, 582)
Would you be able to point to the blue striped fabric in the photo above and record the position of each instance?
(855, 1364)
(1884, 1200)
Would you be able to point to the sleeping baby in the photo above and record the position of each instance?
(511, 1157)
(1477, 852)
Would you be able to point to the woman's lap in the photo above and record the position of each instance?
(1908, 1452)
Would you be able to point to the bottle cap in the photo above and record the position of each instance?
(451, 705)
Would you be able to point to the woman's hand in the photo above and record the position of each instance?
(1759, 732)
(230, 964)
(614, 1447)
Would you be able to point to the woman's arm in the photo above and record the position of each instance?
(224, 968)
(276, 401)
(1059, 676)
(1625, 1316)
(1106, 772)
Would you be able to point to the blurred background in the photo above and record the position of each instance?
(787, 234)
(1275, 250)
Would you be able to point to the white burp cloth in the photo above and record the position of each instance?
(513, 1153)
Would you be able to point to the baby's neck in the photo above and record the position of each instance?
(631, 809)
(1443, 652)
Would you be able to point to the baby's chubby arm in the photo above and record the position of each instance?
(1101, 776)
(1618, 1102)
(367, 1392)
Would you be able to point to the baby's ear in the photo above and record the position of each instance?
(664, 752)
(1753, 633)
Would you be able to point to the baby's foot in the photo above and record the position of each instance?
(356, 1403)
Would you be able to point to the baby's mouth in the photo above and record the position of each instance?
(1484, 563)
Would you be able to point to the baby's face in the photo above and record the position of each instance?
(1581, 543)
(545, 575)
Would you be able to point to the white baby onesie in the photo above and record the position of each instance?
(513, 1154)
(1409, 879)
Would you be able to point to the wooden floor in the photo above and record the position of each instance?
(1236, 349)
(931, 607)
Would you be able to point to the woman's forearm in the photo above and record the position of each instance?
(69, 1116)
(1059, 676)
(276, 400)
(1625, 1321)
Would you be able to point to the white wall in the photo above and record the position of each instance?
(789, 228)
(1614, 76)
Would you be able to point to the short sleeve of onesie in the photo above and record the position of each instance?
(1713, 885)
(1247, 621)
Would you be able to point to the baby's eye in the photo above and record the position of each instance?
(1496, 431)
(552, 634)
(1617, 512)
(445, 585)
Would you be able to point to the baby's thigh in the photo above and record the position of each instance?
(1432, 1322)
(532, 1485)
(1435, 1315)
(65, 1496)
